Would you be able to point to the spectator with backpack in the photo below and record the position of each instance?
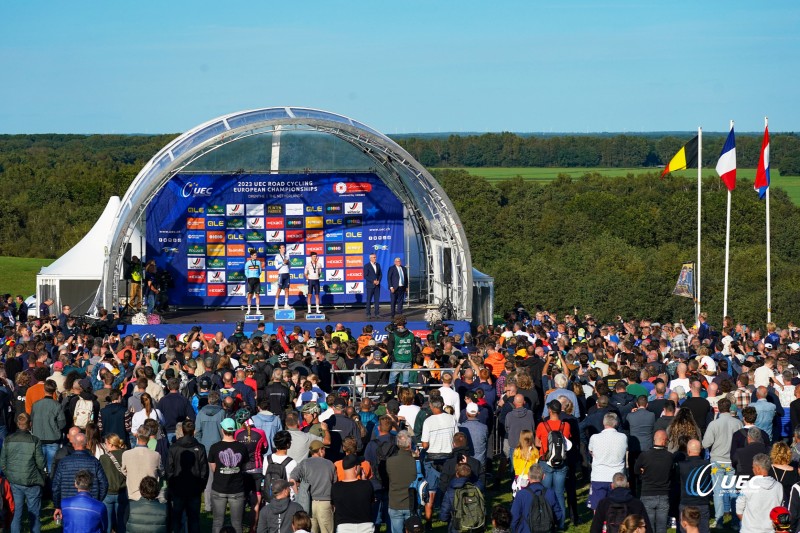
(277, 465)
(553, 439)
(535, 508)
(463, 505)
(277, 516)
(611, 511)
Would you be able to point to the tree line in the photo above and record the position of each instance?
(620, 151)
(615, 245)
(608, 245)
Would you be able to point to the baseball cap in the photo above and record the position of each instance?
(315, 446)
(58, 365)
(350, 461)
(794, 346)
(196, 345)
(228, 424)
(340, 403)
(311, 343)
(311, 407)
(472, 409)
(414, 525)
(205, 382)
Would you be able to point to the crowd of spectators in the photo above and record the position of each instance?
(665, 425)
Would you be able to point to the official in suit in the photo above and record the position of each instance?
(372, 279)
(398, 284)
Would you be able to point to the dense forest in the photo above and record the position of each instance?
(615, 245)
(620, 151)
(608, 245)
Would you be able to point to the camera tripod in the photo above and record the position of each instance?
(446, 309)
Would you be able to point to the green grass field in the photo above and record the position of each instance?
(18, 274)
(791, 184)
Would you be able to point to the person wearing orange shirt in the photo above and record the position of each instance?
(555, 475)
(349, 447)
(495, 361)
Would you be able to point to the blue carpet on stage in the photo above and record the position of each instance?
(161, 331)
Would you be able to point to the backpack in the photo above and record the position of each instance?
(615, 516)
(469, 508)
(418, 492)
(274, 471)
(83, 413)
(556, 455)
(540, 518)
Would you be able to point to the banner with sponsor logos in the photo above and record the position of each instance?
(201, 226)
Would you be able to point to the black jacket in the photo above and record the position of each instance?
(112, 419)
(187, 467)
(449, 469)
(276, 517)
(623, 496)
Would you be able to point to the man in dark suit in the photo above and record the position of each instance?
(372, 280)
(398, 283)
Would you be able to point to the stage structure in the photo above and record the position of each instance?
(312, 179)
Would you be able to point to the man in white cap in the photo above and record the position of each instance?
(476, 431)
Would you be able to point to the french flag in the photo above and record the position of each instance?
(726, 166)
(762, 172)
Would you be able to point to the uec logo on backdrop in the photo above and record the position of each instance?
(193, 189)
(701, 481)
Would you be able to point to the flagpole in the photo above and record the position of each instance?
(769, 265)
(699, 221)
(727, 252)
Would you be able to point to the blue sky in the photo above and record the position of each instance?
(413, 66)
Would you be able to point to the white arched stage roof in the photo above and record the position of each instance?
(295, 139)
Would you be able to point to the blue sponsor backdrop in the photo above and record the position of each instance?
(199, 228)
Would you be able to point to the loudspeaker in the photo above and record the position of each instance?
(126, 262)
(447, 267)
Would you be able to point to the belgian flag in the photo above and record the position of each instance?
(685, 158)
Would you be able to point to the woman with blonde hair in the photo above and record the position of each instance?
(525, 455)
(782, 471)
(116, 500)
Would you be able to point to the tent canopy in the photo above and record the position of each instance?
(74, 277)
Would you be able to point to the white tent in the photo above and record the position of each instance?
(75, 276)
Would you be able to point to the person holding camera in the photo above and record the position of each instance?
(402, 347)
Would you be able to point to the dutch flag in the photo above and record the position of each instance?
(762, 172)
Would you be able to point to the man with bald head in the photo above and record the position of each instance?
(69, 466)
(654, 468)
(766, 411)
(518, 419)
(694, 471)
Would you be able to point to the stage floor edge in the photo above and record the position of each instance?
(224, 320)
